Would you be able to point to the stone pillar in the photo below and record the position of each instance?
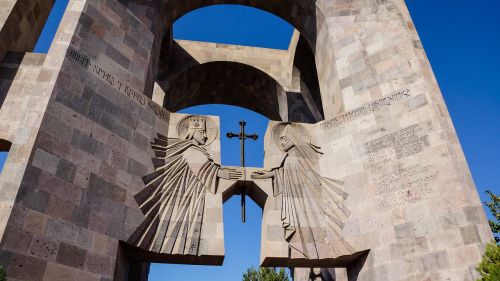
(80, 145)
(412, 199)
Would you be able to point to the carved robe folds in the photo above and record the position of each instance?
(308, 217)
(304, 214)
(174, 198)
(181, 204)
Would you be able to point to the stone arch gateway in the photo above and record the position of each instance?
(360, 159)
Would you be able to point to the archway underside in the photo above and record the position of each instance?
(301, 14)
(226, 83)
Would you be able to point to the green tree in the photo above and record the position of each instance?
(265, 274)
(494, 206)
(489, 268)
(3, 274)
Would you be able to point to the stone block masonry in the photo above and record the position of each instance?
(81, 122)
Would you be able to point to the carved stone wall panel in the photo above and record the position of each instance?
(81, 147)
(181, 201)
(305, 213)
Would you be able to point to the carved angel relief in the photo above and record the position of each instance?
(312, 206)
(174, 198)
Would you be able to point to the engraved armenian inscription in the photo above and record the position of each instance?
(397, 145)
(396, 185)
(116, 83)
(404, 185)
(365, 109)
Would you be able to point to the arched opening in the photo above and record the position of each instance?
(269, 31)
(242, 242)
(301, 14)
(304, 76)
(196, 73)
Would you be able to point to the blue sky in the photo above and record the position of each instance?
(462, 43)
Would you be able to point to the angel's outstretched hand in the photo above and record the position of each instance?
(262, 175)
(230, 174)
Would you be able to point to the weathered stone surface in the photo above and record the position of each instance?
(44, 248)
(58, 272)
(71, 256)
(27, 268)
(99, 264)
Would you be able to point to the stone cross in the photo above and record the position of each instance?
(242, 136)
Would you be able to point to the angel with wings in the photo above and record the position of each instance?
(312, 206)
(173, 200)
